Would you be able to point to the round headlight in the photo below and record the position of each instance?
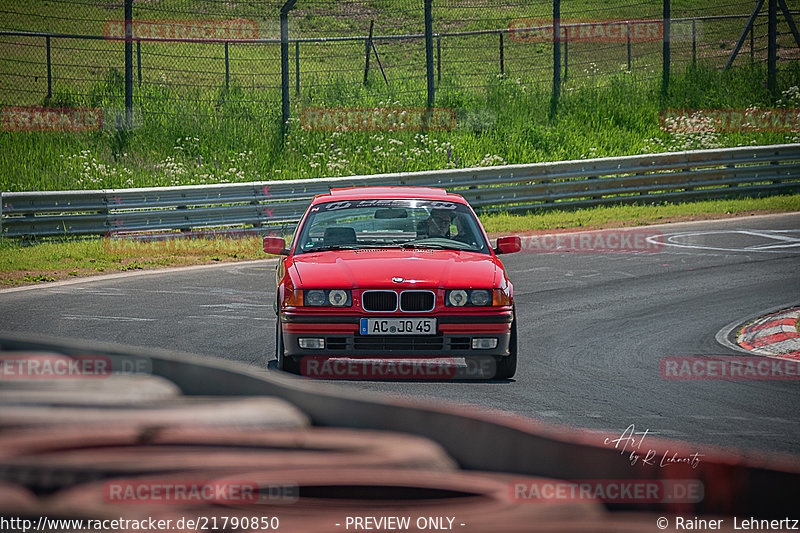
(337, 297)
(457, 297)
(315, 297)
(480, 298)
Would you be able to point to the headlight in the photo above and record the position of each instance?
(457, 298)
(315, 297)
(338, 297)
(327, 297)
(479, 298)
(476, 298)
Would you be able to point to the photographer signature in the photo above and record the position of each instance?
(631, 441)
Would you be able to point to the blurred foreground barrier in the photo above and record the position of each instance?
(733, 482)
(50, 458)
(276, 206)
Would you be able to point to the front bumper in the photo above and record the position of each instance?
(453, 337)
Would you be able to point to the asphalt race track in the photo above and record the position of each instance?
(593, 329)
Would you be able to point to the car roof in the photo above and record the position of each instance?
(362, 193)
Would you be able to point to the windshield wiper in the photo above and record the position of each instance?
(437, 246)
(333, 247)
(345, 247)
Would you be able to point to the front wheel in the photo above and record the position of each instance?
(287, 364)
(507, 365)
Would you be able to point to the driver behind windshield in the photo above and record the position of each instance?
(436, 225)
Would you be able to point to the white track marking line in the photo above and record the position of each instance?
(113, 318)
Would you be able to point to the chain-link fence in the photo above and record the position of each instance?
(201, 57)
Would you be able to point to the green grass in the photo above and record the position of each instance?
(39, 262)
(22, 263)
(193, 130)
(636, 215)
(229, 140)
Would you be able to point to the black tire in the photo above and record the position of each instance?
(507, 365)
(287, 364)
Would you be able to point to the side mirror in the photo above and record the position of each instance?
(275, 245)
(508, 245)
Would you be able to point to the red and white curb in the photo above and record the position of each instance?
(774, 334)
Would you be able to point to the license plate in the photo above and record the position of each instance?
(398, 326)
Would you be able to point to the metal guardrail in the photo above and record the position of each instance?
(278, 205)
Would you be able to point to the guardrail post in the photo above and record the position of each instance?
(128, 63)
(429, 51)
(49, 70)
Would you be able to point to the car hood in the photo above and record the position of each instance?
(376, 268)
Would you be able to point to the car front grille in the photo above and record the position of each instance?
(398, 342)
(416, 301)
(379, 301)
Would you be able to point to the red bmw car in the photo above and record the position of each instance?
(393, 272)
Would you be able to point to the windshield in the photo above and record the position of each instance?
(391, 224)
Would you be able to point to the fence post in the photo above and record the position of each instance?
(752, 56)
(566, 56)
(438, 59)
(665, 54)
(297, 67)
(429, 51)
(139, 61)
(556, 56)
(772, 46)
(628, 28)
(368, 51)
(227, 67)
(1, 215)
(285, 62)
(49, 71)
(128, 63)
(502, 59)
(694, 43)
